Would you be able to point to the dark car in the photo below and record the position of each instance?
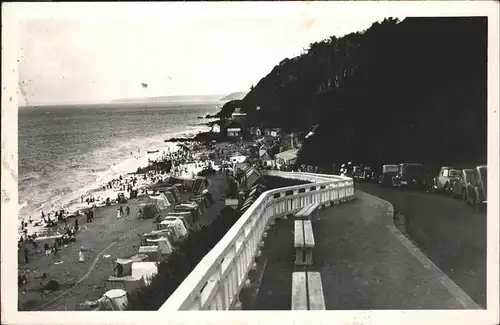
(366, 174)
(464, 186)
(409, 175)
(388, 172)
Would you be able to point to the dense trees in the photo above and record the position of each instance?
(399, 91)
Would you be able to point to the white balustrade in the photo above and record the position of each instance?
(215, 283)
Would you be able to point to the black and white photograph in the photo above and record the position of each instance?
(334, 157)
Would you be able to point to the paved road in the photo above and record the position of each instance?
(448, 231)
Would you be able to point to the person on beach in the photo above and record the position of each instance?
(119, 213)
(54, 249)
(34, 243)
(81, 255)
(26, 254)
(47, 249)
(81, 198)
(76, 224)
(128, 210)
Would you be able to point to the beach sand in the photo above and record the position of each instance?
(106, 235)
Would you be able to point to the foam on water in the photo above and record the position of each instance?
(56, 187)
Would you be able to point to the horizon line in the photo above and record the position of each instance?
(124, 100)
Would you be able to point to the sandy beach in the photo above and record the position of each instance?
(106, 238)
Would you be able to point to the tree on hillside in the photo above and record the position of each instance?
(401, 90)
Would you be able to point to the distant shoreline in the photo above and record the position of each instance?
(123, 104)
(149, 101)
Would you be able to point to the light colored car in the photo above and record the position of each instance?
(388, 172)
(446, 177)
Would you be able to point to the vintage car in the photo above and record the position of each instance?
(366, 174)
(356, 172)
(463, 187)
(409, 175)
(388, 172)
(444, 180)
(481, 188)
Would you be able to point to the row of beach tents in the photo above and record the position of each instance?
(130, 274)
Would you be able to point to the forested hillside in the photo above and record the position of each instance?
(400, 91)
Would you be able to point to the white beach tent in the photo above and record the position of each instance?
(288, 157)
(153, 253)
(163, 244)
(144, 269)
(115, 299)
(177, 224)
(161, 201)
(128, 283)
(127, 262)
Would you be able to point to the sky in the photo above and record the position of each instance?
(69, 59)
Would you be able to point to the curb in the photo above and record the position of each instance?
(457, 292)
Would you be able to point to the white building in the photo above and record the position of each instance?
(215, 128)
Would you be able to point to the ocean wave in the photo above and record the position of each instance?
(66, 196)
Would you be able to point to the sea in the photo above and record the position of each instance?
(68, 151)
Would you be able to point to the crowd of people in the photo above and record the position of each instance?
(34, 232)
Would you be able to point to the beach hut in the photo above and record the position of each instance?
(176, 224)
(215, 128)
(146, 270)
(194, 210)
(153, 252)
(170, 197)
(175, 192)
(163, 244)
(115, 299)
(252, 176)
(126, 263)
(288, 157)
(128, 283)
(199, 185)
(161, 201)
(186, 217)
(149, 210)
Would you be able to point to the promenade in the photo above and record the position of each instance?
(364, 262)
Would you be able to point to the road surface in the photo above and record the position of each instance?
(450, 233)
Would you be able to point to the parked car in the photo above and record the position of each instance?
(446, 177)
(388, 172)
(356, 172)
(464, 187)
(409, 175)
(366, 174)
(481, 188)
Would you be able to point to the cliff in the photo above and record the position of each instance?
(400, 91)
